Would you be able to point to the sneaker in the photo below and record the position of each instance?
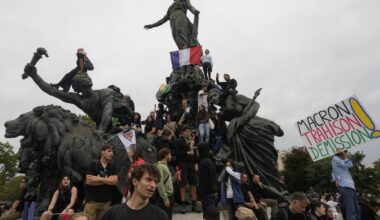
(182, 209)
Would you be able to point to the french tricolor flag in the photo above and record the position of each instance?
(186, 56)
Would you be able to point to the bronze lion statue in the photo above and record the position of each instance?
(56, 142)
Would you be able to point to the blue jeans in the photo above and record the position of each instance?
(204, 132)
(218, 144)
(350, 204)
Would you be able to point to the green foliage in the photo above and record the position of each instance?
(8, 163)
(88, 120)
(300, 173)
(295, 165)
(11, 190)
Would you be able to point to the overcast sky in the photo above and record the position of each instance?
(305, 55)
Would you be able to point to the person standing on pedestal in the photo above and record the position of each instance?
(207, 64)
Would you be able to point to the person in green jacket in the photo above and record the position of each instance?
(165, 198)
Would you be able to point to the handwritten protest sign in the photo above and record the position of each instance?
(345, 125)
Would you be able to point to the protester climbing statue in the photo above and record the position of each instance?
(183, 31)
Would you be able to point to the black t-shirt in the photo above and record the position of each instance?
(286, 214)
(257, 192)
(245, 190)
(123, 212)
(101, 193)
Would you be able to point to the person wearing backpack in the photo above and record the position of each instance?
(83, 65)
(164, 195)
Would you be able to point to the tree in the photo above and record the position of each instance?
(87, 120)
(295, 164)
(8, 163)
(11, 190)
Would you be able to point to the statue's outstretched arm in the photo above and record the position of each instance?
(191, 7)
(106, 116)
(31, 71)
(158, 23)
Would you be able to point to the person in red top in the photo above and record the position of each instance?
(136, 157)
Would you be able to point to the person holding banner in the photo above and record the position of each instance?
(63, 200)
(346, 186)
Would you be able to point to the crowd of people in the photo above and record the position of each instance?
(185, 144)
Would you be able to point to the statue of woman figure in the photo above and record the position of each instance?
(183, 31)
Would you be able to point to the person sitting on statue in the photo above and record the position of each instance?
(160, 115)
(83, 65)
(183, 31)
(229, 86)
(150, 129)
(64, 200)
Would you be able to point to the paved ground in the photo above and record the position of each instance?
(192, 216)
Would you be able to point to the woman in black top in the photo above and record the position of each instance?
(63, 200)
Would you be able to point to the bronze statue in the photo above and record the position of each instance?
(183, 31)
(251, 138)
(101, 105)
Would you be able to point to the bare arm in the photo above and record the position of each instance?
(111, 180)
(158, 23)
(191, 7)
(92, 180)
(53, 201)
(72, 98)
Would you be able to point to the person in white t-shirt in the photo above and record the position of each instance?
(202, 97)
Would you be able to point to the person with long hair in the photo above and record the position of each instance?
(137, 159)
(63, 200)
(231, 192)
(204, 127)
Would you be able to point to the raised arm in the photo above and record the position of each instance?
(72, 98)
(191, 7)
(158, 23)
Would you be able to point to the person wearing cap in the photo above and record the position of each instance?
(346, 186)
(83, 65)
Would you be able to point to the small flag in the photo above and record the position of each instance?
(186, 56)
(128, 138)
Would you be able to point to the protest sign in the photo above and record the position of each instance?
(128, 138)
(346, 125)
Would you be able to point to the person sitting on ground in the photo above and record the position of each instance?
(144, 182)
(260, 194)
(83, 65)
(243, 213)
(249, 200)
(317, 210)
(63, 200)
(212, 213)
(296, 208)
